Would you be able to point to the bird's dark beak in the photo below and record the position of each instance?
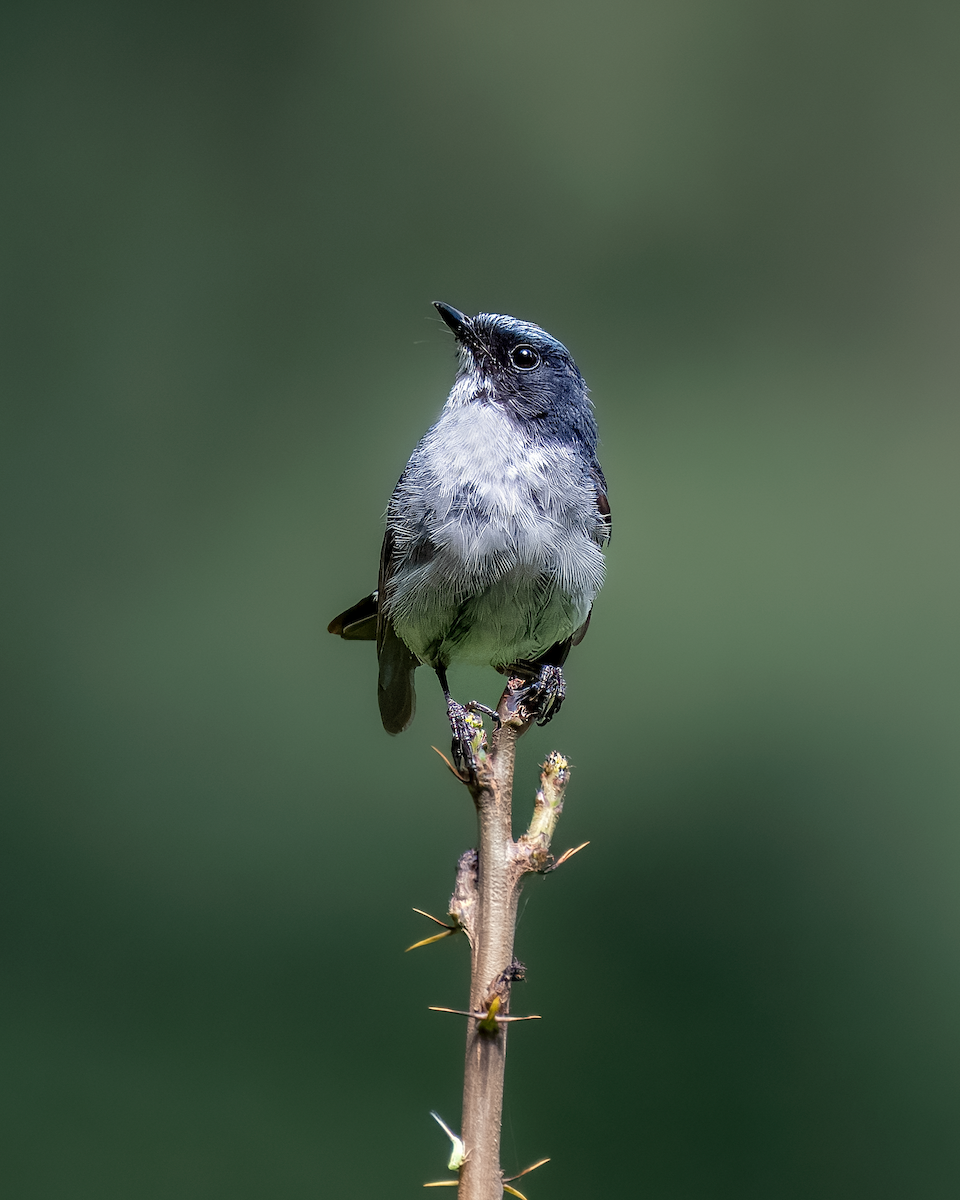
(461, 324)
(463, 331)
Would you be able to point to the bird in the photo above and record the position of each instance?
(495, 532)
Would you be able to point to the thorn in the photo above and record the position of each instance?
(564, 857)
(514, 1192)
(482, 1016)
(452, 1183)
(520, 1174)
(448, 930)
(463, 779)
(435, 920)
(437, 937)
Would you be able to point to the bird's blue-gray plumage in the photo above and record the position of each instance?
(492, 553)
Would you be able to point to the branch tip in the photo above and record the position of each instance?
(556, 764)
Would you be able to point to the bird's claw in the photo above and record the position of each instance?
(544, 695)
(474, 706)
(468, 738)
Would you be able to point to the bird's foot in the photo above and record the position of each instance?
(469, 738)
(474, 706)
(543, 696)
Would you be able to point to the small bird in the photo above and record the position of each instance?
(494, 534)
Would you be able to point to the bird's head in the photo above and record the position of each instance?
(519, 366)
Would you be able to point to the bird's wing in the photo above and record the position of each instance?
(604, 533)
(383, 584)
(395, 691)
(581, 633)
(603, 507)
(359, 622)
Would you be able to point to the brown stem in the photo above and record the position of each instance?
(491, 953)
(485, 903)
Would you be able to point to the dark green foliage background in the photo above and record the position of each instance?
(224, 224)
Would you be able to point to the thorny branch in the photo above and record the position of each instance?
(484, 906)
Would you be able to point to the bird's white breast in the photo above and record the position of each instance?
(501, 523)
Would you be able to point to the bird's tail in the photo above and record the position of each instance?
(398, 700)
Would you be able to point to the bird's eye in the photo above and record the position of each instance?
(524, 357)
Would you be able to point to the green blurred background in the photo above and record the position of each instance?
(224, 225)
